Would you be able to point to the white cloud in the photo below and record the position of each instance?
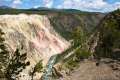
(36, 6)
(89, 5)
(48, 3)
(16, 3)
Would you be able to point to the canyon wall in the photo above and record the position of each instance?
(35, 34)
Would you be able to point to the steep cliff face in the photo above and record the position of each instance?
(108, 45)
(37, 36)
(65, 23)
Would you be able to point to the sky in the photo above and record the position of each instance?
(84, 5)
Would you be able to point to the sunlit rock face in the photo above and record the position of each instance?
(37, 36)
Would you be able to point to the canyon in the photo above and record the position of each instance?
(35, 33)
(70, 44)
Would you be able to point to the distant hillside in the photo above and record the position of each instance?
(66, 23)
(5, 7)
(40, 10)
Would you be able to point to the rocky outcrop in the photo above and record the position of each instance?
(37, 36)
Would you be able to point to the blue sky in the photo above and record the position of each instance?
(85, 5)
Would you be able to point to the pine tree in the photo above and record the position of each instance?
(11, 65)
(16, 64)
(4, 55)
(77, 36)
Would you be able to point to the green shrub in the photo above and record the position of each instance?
(78, 36)
(71, 64)
(74, 60)
(38, 67)
(82, 54)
